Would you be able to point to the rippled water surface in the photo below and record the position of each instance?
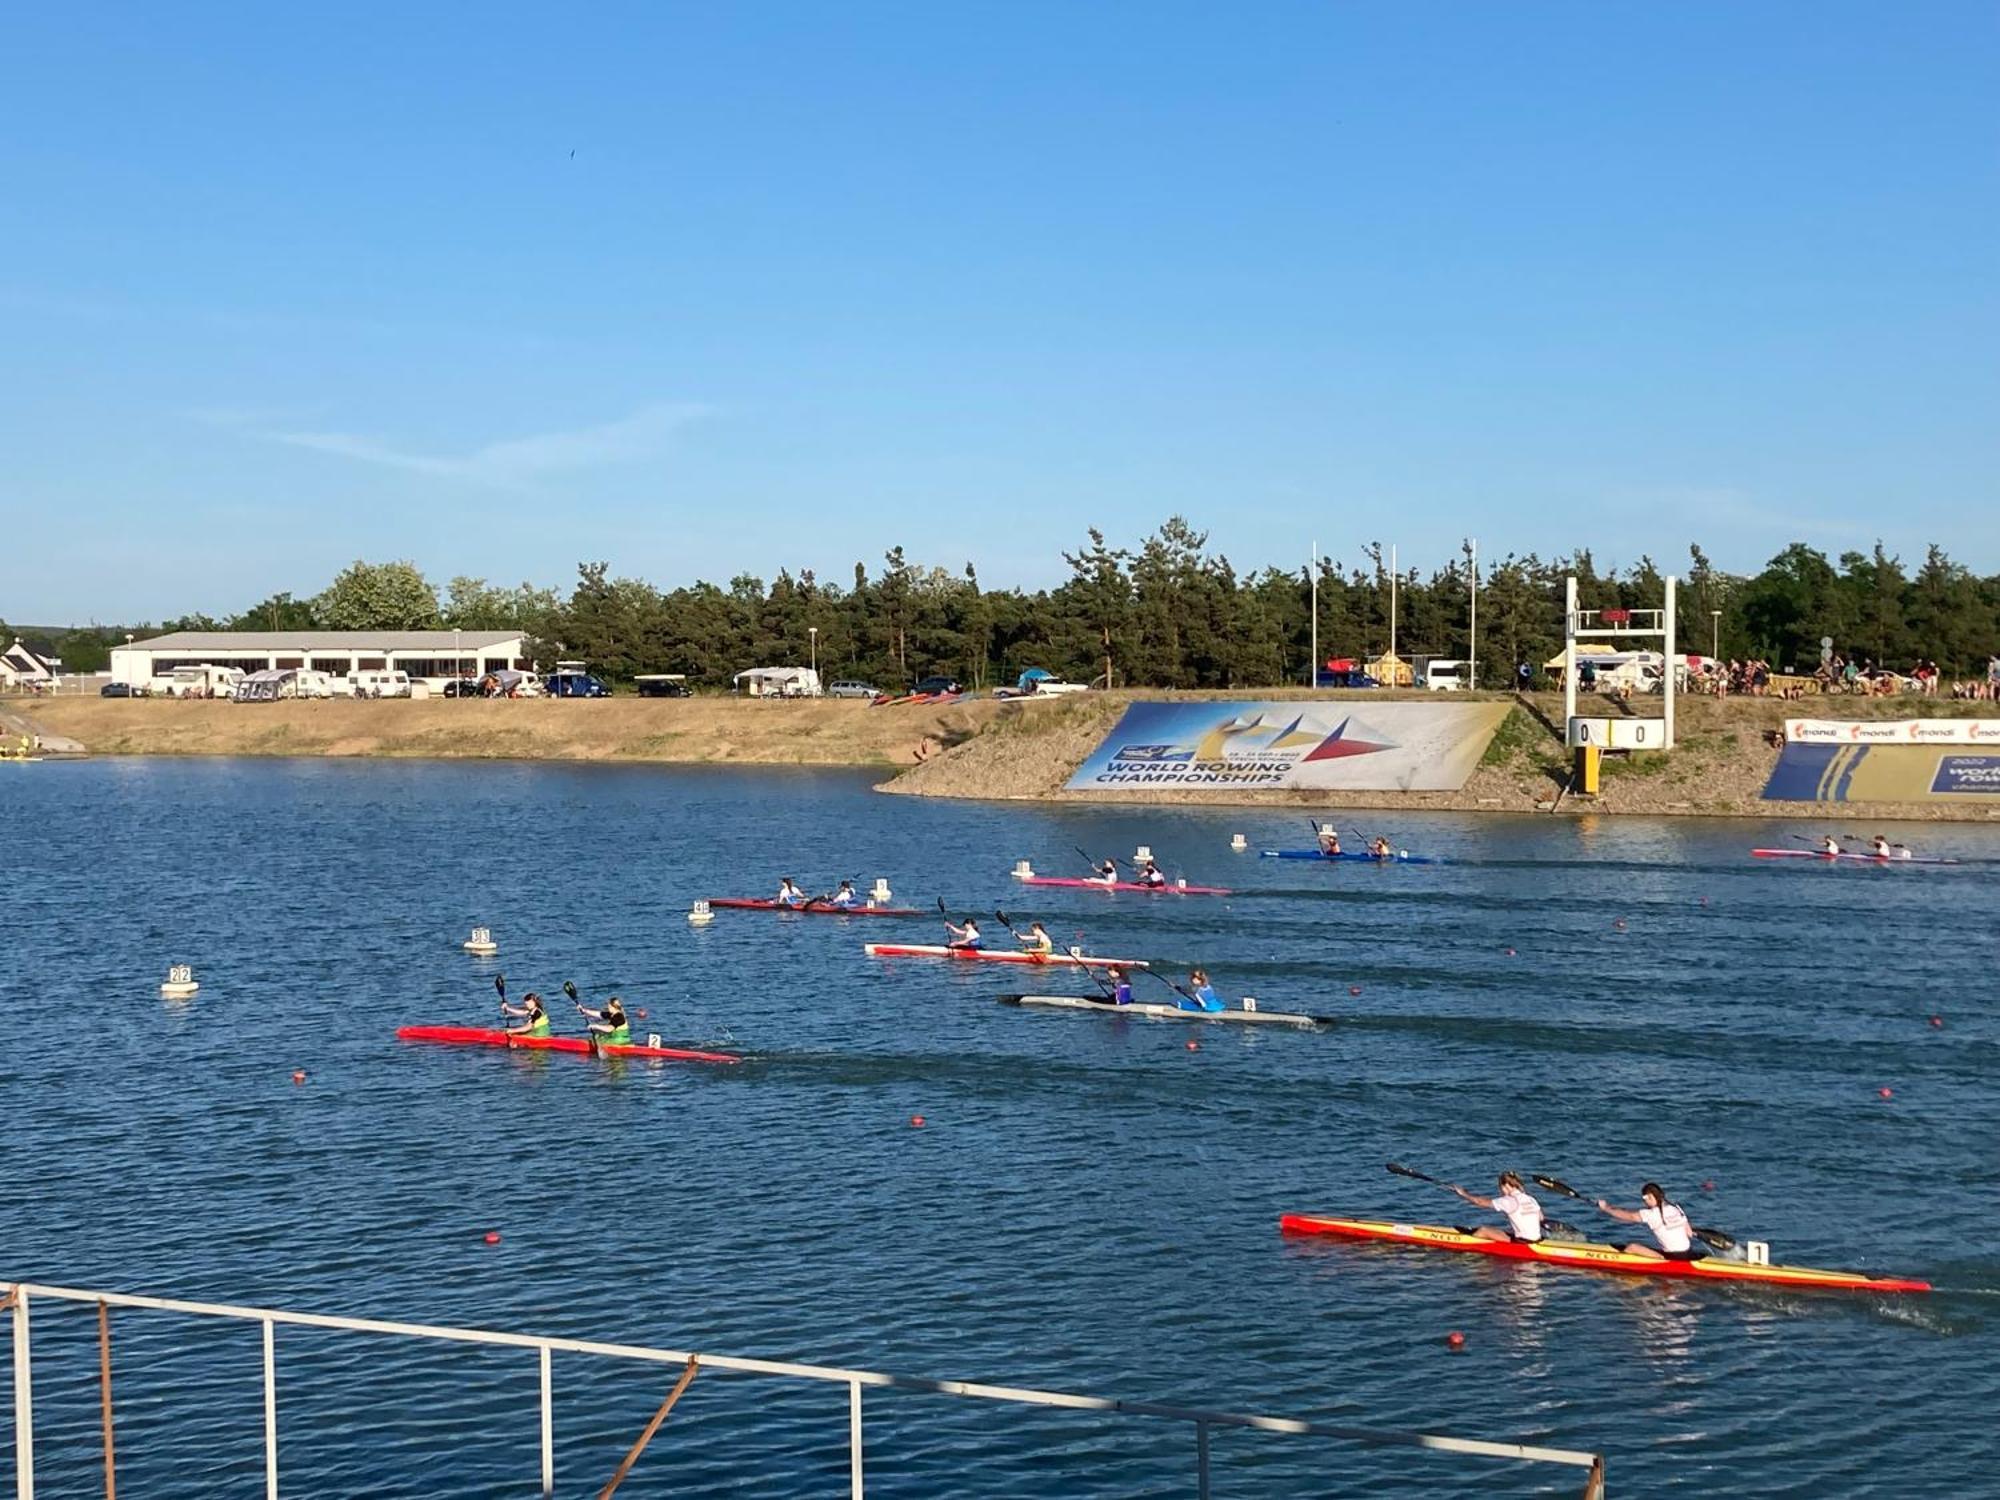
(1089, 1206)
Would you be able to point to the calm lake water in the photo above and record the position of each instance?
(1090, 1206)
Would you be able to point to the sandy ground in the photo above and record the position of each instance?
(703, 730)
(986, 749)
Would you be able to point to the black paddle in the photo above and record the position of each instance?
(500, 984)
(1402, 1171)
(1715, 1238)
(1115, 860)
(1169, 984)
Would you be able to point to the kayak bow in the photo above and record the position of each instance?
(1124, 885)
(1165, 1012)
(1593, 1257)
(996, 955)
(812, 908)
(474, 1036)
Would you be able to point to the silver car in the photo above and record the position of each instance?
(852, 690)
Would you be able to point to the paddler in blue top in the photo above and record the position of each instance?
(534, 1019)
(791, 895)
(1201, 994)
(1329, 840)
(966, 937)
(1037, 940)
(845, 897)
(609, 1027)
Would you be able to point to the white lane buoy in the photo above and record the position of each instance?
(1143, 853)
(1023, 870)
(1239, 843)
(481, 942)
(881, 894)
(1250, 1003)
(180, 983)
(700, 915)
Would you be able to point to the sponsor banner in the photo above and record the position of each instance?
(1882, 773)
(1892, 731)
(1381, 747)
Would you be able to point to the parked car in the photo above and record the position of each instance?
(123, 690)
(662, 685)
(853, 690)
(462, 687)
(935, 687)
(575, 685)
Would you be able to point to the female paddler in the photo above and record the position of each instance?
(1514, 1202)
(966, 937)
(1036, 940)
(1668, 1221)
(609, 1027)
(534, 1019)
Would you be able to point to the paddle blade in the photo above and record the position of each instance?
(1715, 1238)
(1402, 1171)
(569, 988)
(500, 984)
(1556, 1185)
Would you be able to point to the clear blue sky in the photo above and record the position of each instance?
(281, 286)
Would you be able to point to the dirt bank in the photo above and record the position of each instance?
(705, 730)
(1718, 769)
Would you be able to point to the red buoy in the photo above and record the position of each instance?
(916, 1122)
(492, 1236)
(1619, 924)
(1193, 1045)
(1510, 952)
(1887, 1093)
(1354, 989)
(1454, 1339)
(1937, 1020)
(1709, 1186)
(298, 1075)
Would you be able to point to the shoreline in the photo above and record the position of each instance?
(993, 750)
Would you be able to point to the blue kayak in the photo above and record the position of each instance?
(1400, 857)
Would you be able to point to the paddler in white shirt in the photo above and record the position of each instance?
(1516, 1204)
(1882, 849)
(1148, 873)
(1829, 845)
(966, 937)
(1329, 841)
(845, 897)
(789, 894)
(1105, 872)
(1669, 1222)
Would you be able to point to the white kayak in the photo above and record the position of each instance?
(1166, 1012)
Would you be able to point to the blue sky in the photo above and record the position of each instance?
(283, 286)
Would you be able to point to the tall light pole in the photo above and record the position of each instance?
(1312, 667)
(813, 632)
(1392, 614)
(1714, 634)
(1472, 628)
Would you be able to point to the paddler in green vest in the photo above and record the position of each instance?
(609, 1027)
(534, 1019)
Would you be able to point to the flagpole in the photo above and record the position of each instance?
(1312, 667)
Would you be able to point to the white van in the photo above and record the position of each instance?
(1445, 676)
(204, 681)
(378, 684)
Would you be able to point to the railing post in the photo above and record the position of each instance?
(24, 1403)
(854, 1438)
(104, 1385)
(270, 1412)
(1201, 1460)
(548, 1428)
(1594, 1488)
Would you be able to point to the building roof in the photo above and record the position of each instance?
(325, 640)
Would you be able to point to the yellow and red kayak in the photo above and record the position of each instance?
(1589, 1257)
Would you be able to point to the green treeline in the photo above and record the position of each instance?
(1166, 613)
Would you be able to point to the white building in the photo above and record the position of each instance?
(420, 653)
(21, 667)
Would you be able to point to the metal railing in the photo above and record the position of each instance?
(19, 1296)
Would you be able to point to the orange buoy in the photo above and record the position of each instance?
(1454, 1339)
(492, 1236)
(298, 1075)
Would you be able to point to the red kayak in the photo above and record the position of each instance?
(813, 908)
(1125, 885)
(1591, 1257)
(473, 1036)
(997, 955)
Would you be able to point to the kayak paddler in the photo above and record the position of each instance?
(1902, 851)
(1516, 1204)
(1037, 940)
(1882, 849)
(966, 937)
(789, 894)
(845, 897)
(534, 1019)
(1148, 873)
(1668, 1221)
(1329, 840)
(1105, 872)
(1121, 986)
(1201, 994)
(1829, 845)
(609, 1027)
(1380, 848)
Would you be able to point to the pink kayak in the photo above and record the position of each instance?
(1176, 889)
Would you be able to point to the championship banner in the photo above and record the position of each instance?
(1892, 731)
(1384, 747)
(1883, 773)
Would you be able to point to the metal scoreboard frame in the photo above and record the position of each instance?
(1619, 624)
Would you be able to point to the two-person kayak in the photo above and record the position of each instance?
(1586, 1256)
(1163, 1012)
(1181, 888)
(1860, 859)
(1393, 857)
(996, 955)
(811, 908)
(474, 1036)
